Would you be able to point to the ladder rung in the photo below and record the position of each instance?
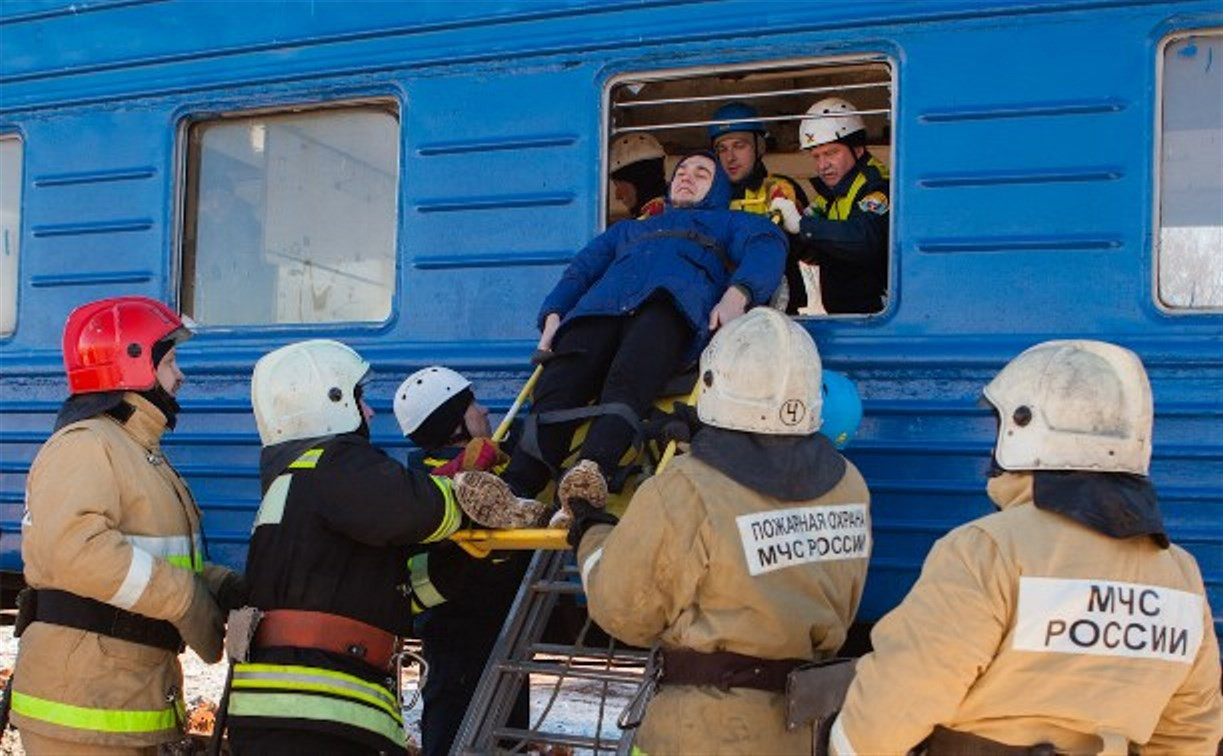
(557, 738)
(557, 669)
(557, 586)
(619, 656)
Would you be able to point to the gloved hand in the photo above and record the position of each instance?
(585, 516)
(202, 625)
(790, 215)
(228, 588)
(680, 424)
(479, 454)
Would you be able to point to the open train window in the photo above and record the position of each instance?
(766, 105)
(291, 217)
(10, 229)
(1189, 262)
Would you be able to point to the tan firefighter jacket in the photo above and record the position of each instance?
(108, 518)
(703, 563)
(1027, 627)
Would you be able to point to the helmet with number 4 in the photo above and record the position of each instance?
(307, 390)
(761, 374)
(108, 345)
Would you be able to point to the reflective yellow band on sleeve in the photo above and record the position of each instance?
(307, 461)
(424, 593)
(98, 720)
(452, 516)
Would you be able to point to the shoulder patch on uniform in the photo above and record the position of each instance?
(875, 202)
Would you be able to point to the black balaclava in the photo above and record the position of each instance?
(161, 398)
(439, 427)
(649, 179)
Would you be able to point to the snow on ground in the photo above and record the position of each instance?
(574, 710)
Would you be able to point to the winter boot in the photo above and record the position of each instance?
(488, 501)
(583, 481)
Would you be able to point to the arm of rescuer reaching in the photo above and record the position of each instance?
(929, 650)
(382, 503)
(71, 541)
(645, 570)
(862, 238)
(1192, 722)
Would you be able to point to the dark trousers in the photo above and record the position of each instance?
(456, 645)
(626, 359)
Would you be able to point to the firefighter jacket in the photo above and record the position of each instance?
(692, 254)
(845, 232)
(1025, 627)
(332, 535)
(705, 563)
(107, 518)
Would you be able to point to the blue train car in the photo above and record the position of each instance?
(411, 178)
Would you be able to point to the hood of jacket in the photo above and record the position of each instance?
(718, 196)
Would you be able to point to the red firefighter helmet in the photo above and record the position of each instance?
(108, 344)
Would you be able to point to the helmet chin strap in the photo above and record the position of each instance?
(163, 401)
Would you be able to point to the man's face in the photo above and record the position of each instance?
(737, 153)
(692, 181)
(833, 161)
(169, 377)
(475, 420)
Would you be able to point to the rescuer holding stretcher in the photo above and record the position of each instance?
(1066, 622)
(743, 560)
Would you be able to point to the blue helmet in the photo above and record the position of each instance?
(741, 117)
(842, 411)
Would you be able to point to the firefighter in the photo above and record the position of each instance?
(743, 559)
(636, 305)
(845, 230)
(739, 138)
(460, 601)
(113, 548)
(327, 562)
(1065, 622)
(639, 178)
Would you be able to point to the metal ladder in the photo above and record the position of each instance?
(520, 652)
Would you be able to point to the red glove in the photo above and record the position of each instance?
(481, 454)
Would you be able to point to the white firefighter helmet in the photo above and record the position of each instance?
(307, 390)
(422, 392)
(761, 374)
(633, 148)
(1073, 405)
(829, 120)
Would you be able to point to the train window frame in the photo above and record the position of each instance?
(192, 129)
(1164, 255)
(761, 71)
(11, 188)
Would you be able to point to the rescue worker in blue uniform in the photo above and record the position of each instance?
(327, 563)
(460, 601)
(740, 139)
(845, 230)
(637, 304)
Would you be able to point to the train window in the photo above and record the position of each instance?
(291, 218)
(10, 230)
(1189, 266)
(686, 110)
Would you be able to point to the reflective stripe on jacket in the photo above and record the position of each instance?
(278, 695)
(108, 518)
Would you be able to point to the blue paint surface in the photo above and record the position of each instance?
(1023, 187)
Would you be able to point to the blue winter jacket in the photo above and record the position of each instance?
(630, 262)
